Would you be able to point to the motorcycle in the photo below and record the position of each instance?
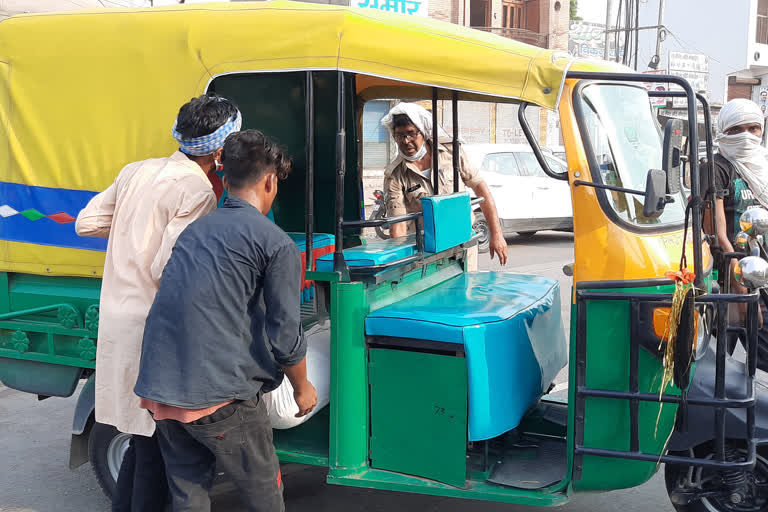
(379, 212)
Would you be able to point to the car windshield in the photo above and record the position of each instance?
(626, 141)
(503, 163)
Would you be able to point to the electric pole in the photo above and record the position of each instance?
(606, 55)
(661, 34)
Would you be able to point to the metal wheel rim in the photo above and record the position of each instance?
(710, 507)
(115, 453)
(482, 228)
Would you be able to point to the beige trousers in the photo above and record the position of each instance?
(471, 263)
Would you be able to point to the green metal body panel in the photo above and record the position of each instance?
(348, 452)
(48, 329)
(307, 443)
(477, 488)
(419, 414)
(606, 421)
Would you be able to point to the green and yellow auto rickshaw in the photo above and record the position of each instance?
(439, 377)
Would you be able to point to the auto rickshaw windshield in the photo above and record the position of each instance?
(626, 141)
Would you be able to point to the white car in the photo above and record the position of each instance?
(526, 198)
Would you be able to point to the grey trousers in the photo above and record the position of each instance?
(236, 440)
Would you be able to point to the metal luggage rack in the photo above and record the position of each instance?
(585, 291)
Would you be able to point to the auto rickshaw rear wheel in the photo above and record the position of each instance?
(740, 491)
(106, 448)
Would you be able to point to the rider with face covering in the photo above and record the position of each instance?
(409, 177)
(741, 171)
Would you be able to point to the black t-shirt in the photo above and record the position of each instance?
(733, 190)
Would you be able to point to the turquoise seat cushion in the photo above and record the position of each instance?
(512, 331)
(447, 221)
(318, 240)
(375, 252)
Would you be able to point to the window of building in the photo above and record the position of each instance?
(512, 14)
(479, 13)
(761, 32)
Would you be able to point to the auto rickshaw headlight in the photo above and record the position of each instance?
(661, 323)
(754, 221)
(742, 241)
(752, 272)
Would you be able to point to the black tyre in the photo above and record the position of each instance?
(481, 228)
(755, 499)
(526, 234)
(382, 233)
(106, 447)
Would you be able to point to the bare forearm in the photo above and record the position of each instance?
(488, 207)
(397, 230)
(297, 374)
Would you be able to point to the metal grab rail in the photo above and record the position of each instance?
(389, 221)
(720, 402)
(534, 143)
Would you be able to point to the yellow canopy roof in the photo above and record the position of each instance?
(84, 93)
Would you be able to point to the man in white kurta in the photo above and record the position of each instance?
(143, 212)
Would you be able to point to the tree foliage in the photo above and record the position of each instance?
(573, 10)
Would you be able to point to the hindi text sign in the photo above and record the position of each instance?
(407, 7)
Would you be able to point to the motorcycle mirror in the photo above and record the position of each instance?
(742, 241)
(754, 222)
(655, 193)
(752, 272)
(671, 154)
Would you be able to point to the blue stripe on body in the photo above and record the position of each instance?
(45, 231)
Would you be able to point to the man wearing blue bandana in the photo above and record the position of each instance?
(142, 213)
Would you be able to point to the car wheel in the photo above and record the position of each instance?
(484, 241)
(106, 448)
(526, 234)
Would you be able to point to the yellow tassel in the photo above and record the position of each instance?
(668, 362)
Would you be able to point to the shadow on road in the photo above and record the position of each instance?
(540, 238)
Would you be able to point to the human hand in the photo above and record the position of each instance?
(306, 398)
(498, 247)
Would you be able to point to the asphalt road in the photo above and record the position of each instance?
(34, 444)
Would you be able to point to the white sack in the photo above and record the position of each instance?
(281, 407)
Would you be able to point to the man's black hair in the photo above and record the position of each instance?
(204, 115)
(249, 155)
(400, 120)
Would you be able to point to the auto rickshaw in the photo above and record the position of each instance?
(439, 376)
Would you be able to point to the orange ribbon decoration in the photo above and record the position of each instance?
(684, 276)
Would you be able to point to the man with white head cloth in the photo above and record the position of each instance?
(142, 213)
(409, 177)
(741, 173)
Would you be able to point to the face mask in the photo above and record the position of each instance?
(418, 155)
(750, 160)
(218, 166)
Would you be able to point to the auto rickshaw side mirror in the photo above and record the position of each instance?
(656, 197)
(671, 154)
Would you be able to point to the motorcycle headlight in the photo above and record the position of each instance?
(754, 221)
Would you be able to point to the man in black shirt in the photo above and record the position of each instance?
(223, 329)
(740, 126)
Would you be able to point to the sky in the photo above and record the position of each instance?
(592, 10)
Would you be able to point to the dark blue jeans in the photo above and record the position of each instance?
(236, 440)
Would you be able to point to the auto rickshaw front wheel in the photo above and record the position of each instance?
(718, 490)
